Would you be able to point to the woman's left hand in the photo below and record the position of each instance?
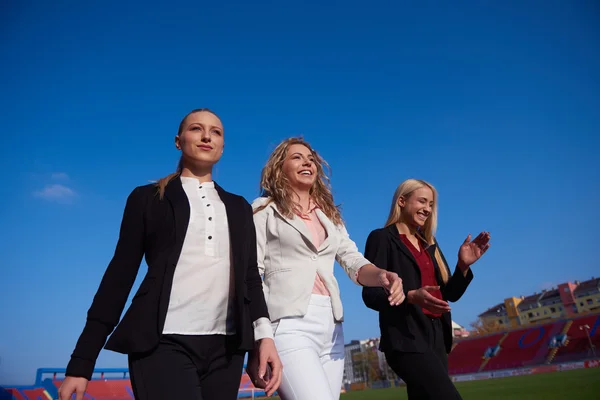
(471, 251)
(392, 283)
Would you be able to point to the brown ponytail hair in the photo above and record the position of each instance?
(162, 183)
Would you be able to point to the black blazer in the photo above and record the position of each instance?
(404, 328)
(156, 228)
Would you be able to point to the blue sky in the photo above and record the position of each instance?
(497, 105)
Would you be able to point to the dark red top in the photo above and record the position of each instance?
(425, 264)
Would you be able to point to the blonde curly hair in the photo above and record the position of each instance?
(275, 185)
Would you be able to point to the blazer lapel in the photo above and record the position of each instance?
(181, 208)
(235, 222)
(297, 223)
(393, 231)
(329, 228)
(233, 218)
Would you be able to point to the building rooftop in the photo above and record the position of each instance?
(545, 298)
(456, 326)
(548, 294)
(586, 286)
(497, 310)
(530, 301)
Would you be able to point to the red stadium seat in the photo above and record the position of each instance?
(110, 389)
(578, 343)
(120, 389)
(15, 393)
(36, 394)
(29, 394)
(104, 389)
(467, 355)
(524, 347)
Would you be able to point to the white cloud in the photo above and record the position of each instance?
(59, 176)
(56, 192)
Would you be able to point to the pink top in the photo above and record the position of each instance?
(319, 235)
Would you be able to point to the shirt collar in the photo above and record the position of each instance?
(189, 181)
(312, 206)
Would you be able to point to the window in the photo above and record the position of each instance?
(590, 302)
(552, 309)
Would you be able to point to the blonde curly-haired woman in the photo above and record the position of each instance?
(300, 234)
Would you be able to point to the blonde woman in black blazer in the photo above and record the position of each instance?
(416, 336)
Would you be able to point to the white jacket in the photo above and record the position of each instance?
(288, 261)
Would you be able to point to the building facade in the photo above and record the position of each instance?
(349, 350)
(565, 301)
(364, 363)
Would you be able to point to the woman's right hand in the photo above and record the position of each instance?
(72, 385)
(426, 300)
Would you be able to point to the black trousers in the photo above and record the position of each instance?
(426, 374)
(187, 367)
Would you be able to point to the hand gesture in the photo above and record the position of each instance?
(426, 300)
(264, 367)
(470, 252)
(72, 385)
(392, 283)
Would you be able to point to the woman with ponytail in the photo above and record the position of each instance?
(200, 306)
(416, 336)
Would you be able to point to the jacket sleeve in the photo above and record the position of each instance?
(260, 223)
(114, 289)
(348, 255)
(254, 284)
(376, 251)
(457, 283)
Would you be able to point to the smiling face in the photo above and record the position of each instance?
(201, 139)
(299, 167)
(417, 206)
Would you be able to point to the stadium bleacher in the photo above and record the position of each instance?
(109, 383)
(31, 393)
(556, 342)
(577, 345)
(468, 354)
(107, 389)
(524, 347)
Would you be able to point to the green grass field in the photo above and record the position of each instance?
(572, 385)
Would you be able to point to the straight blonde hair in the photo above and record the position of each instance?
(427, 233)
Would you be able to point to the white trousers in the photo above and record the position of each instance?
(311, 349)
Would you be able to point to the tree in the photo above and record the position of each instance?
(483, 327)
(366, 365)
